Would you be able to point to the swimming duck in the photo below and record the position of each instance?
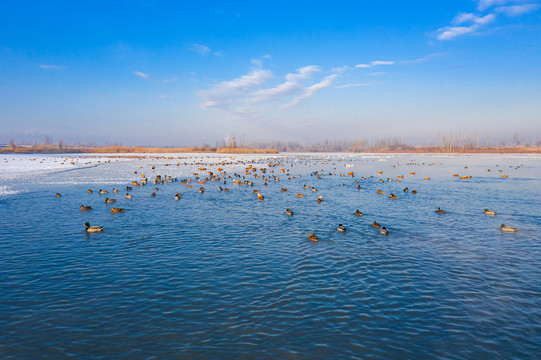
(508, 228)
(177, 197)
(201, 189)
(381, 192)
(115, 190)
(384, 231)
(289, 212)
(393, 196)
(93, 228)
(85, 208)
(128, 188)
(260, 197)
(314, 189)
(117, 210)
(103, 191)
(153, 194)
(320, 199)
(300, 195)
(341, 228)
(489, 212)
(440, 211)
(220, 188)
(414, 191)
(283, 189)
(312, 237)
(406, 189)
(89, 191)
(58, 195)
(109, 201)
(128, 196)
(358, 213)
(376, 225)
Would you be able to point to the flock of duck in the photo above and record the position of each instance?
(265, 174)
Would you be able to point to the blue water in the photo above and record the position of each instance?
(224, 275)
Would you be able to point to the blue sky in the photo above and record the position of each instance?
(186, 73)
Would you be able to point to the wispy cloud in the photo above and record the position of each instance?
(353, 85)
(142, 75)
(377, 73)
(424, 58)
(170, 80)
(516, 10)
(164, 97)
(52, 67)
(292, 84)
(311, 90)
(200, 49)
(374, 63)
(470, 23)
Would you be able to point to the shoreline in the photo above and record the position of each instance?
(51, 149)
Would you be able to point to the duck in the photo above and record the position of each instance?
(115, 190)
(393, 196)
(312, 237)
(89, 191)
(283, 189)
(440, 211)
(129, 188)
(117, 210)
(109, 201)
(489, 212)
(384, 231)
(128, 196)
(58, 195)
(376, 225)
(406, 189)
(90, 229)
(320, 199)
(414, 191)
(289, 212)
(220, 188)
(153, 194)
(85, 208)
(314, 189)
(103, 191)
(381, 192)
(201, 189)
(341, 228)
(508, 228)
(358, 213)
(177, 197)
(300, 195)
(260, 197)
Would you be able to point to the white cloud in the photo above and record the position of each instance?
(164, 97)
(171, 80)
(52, 67)
(467, 17)
(353, 85)
(485, 4)
(516, 10)
(377, 73)
(379, 62)
(200, 49)
(450, 32)
(142, 75)
(311, 90)
(374, 63)
(292, 84)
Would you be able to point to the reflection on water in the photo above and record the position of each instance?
(223, 275)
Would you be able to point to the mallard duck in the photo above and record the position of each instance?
(89, 191)
(103, 191)
(381, 192)
(393, 196)
(384, 231)
(312, 237)
(109, 201)
(85, 208)
(115, 190)
(300, 195)
(153, 194)
(289, 212)
(320, 199)
(358, 213)
(129, 188)
(508, 228)
(376, 225)
(201, 189)
(283, 189)
(260, 197)
(489, 212)
(128, 196)
(440, 211)
(220, 188)
(414, 191)
(93, 228)
(406, 189)
(341, 228)
(58, 195)
(117, 210)
(314, 189)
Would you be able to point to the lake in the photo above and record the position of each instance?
(221, 274)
